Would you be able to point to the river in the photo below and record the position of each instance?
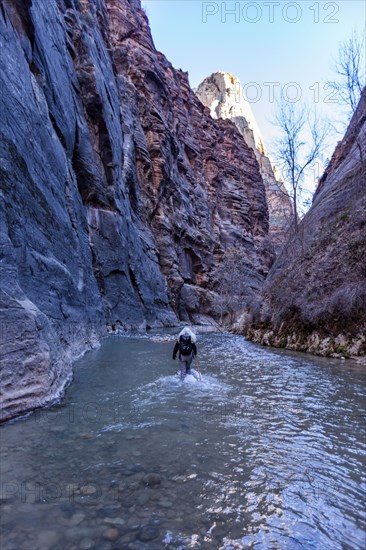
(265, 449)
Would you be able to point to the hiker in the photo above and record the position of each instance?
(186, 346)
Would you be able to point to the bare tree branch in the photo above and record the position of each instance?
(234, 284)
(298, 147)
(349, 67)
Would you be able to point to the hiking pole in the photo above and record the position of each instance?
(199, 371)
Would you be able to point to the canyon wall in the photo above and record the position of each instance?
(119, 193)
(223, 94)
(314, 298)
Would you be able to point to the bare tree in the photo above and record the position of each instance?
(298, 147)
(235, 284)
(350, 69)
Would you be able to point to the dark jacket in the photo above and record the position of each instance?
(176, 349)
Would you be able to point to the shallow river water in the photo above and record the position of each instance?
(267, 450)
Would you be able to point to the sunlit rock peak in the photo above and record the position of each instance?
(224, 94)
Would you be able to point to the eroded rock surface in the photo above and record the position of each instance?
(315, 296)
(223, 94)
(119, 192)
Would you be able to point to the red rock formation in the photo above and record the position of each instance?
(222, 94)
(198, 184)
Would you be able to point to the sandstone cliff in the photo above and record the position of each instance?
(223, 94)
(119, 192)
(315, 295)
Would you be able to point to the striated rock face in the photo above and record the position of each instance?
(222, 93)
(315, 295)
(119, 192)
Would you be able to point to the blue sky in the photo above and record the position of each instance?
(261, 42)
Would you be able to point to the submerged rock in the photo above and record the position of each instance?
(148, 533)
(86, 544)
(111, 534)
(76, 519)
(143, 498)
(152, 480)
(115, 521)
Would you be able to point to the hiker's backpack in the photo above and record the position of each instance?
(185, 344)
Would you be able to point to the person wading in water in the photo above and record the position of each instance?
(187, 349)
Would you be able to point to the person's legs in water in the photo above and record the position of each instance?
(188, 365)
(185, 365)
(183, 368)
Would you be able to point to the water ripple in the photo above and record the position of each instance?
(267, 450)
